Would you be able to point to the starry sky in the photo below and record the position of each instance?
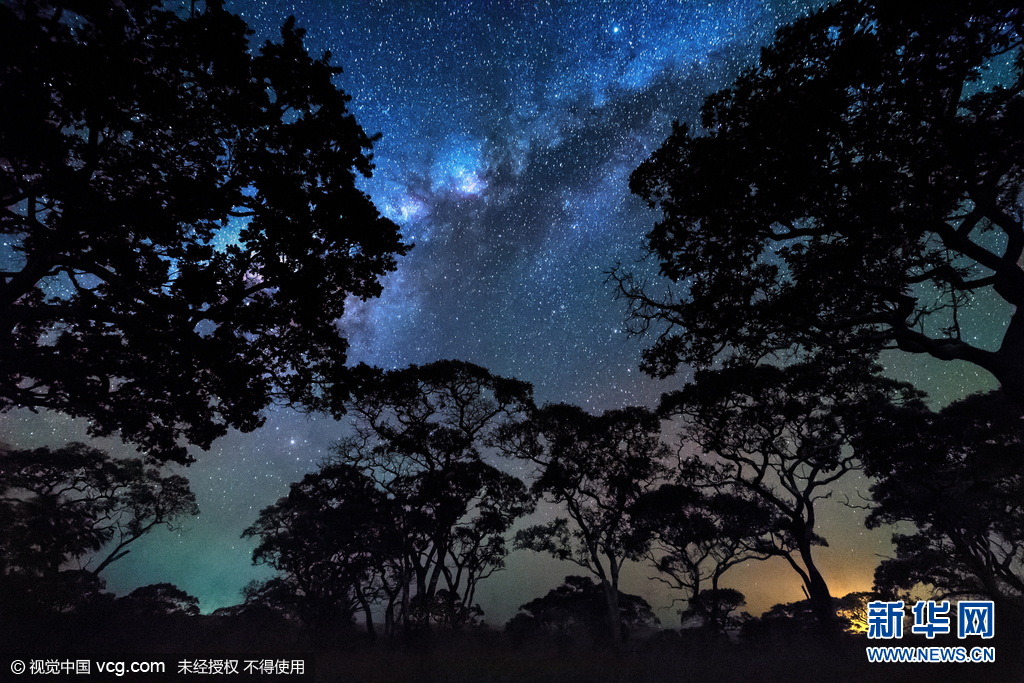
(509, 132)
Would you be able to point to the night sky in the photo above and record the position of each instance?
(509, 133)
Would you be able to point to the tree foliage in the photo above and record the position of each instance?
(856, 189)
(780, 435)
(713, 609)
(957, 475)
(595, 468)
(180, 219)
(61, 510)
(334, 544)
(693, 537)
(60, 506)
(159, 600)
(578, 607)
(420, 433)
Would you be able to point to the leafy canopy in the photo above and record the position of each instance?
(957, 475)
(577, 607)
(594, 467)
(855, 190)
(66, 505)
(781, 436)
(693, 536)
(180, 224)
(420, 434)
(331, 539)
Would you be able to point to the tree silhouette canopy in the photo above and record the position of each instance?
(856, 189)
(180, 221)
(595, 468)
(957, 475)
(61, 509)
(159, 600)
(334, 543)
(692, 537)
(578, 606)
(781, 435)
(419, 433)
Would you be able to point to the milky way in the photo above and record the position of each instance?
(509, 131)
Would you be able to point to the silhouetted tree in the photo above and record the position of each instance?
(856, 189)
(787, 622)
(180, 218)
(852, 608)
(66, 504)
(333, 540)
(692, 537)
(958, 476)
(578, 606)
(713, 609)
(419, 432)
(595, 468)
(780, 435)
(159, 600)
(792, 620)
(62, 509)
(32, 597)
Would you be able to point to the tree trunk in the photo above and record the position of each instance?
(821, 599)
(389, 619)
(406, 580)
(611, 594)
(371, 631)
(1008, 365)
